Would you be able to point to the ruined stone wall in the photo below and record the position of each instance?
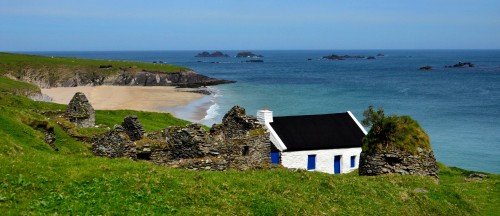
(396, 161)
(187, 142)
(251, 152)
(80, 112)
(133, 128)
(240, 142)
(114, 144)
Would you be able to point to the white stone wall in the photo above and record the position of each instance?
(324, 159)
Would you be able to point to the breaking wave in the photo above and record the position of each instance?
(213, 110)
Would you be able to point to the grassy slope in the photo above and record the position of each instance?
(9, 86)
(35, 179)
(10, 62)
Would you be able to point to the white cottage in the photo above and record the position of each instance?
(329, 143)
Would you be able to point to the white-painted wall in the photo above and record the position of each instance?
(265, 117)
(324, 159)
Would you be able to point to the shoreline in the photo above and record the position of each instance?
(202, 111)
(142, 98)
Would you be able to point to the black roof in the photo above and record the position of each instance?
(314, 132)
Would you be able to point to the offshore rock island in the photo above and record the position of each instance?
(214, 54)
(248, 55)
(344, 57)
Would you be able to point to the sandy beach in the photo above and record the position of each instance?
(145, 98)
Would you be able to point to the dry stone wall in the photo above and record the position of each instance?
(114, 144)
(396, 161)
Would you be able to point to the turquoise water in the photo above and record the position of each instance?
(458, 107)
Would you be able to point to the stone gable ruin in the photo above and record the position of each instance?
(80, 112)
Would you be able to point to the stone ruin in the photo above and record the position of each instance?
(240, 142)
(400, 162)
(80, 112)
(133, 128)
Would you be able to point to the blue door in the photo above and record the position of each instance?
(311, 162)
(275, 157)
(336, 164)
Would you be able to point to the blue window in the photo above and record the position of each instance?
(275, 157)
(353, 161)
(311, 162)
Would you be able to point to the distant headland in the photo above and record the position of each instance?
(47, 72)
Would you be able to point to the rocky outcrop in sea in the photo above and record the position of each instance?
(344, 57)
(248, 55)
(461, 65)
(214, 54)
(425, 68)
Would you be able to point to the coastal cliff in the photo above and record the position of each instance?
(47, 72)
(46, 79)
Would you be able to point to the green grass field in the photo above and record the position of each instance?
(9, 86)
(10, 62)
(35, 180)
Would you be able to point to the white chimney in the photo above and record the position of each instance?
(265, 116)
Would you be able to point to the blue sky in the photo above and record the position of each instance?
(57, 25)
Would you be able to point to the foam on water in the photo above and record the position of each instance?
(212, 112)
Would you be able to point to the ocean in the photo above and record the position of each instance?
(458, 107)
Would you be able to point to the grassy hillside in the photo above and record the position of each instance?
(11, 62)
(61, 71)
(34, 179)
(9, 86)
